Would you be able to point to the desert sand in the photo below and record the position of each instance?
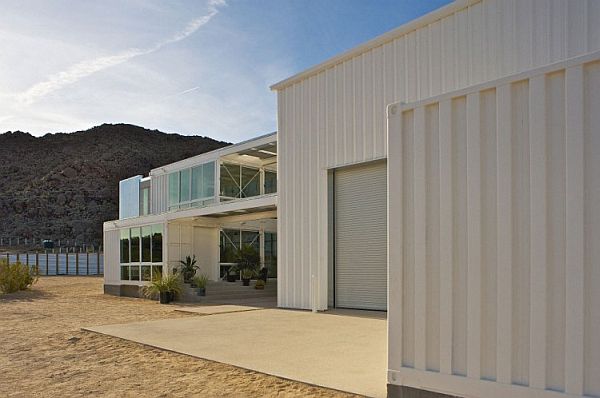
(44, 353)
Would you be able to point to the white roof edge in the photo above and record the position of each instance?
(376, 42)
(211, 155)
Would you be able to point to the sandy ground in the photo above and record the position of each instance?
(43, 352)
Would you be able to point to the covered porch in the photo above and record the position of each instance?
(214, 234)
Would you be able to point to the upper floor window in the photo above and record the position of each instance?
(239, 181)
(192, 187)
(270, 181)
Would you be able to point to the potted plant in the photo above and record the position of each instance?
(247, 260)
(165, 287)
(247, 274)
(260, 284)
(188, 268)
(230, 273)
(200, 282)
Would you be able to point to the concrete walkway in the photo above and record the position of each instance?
(343, 352)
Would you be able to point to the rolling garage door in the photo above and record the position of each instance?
(360, 194)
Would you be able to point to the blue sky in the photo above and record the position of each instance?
(191, 67)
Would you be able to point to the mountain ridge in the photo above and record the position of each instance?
(64, 185)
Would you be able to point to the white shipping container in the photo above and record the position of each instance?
(494, 236)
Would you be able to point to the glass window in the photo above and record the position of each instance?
(135, 272)
(208, 180)
(250, 182)
(230, 242)
(124, 246)
(135, 245)
(173, 189)
(230, 180)
(270, 182)
(145, 272)
(251, 238)
(271, 253)
(184, 186)
(197, 182)
(156, 271)
(145, 210)
(146, 244)
(157, 242)
(125, 272)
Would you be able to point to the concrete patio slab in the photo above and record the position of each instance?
(347, 353)
(213, 309)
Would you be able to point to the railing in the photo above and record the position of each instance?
(48, 263)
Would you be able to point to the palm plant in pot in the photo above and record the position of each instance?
(188, 268)
(248, 260)
(200, 283)
(164, 287)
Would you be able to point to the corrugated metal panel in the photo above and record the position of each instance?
(159, 194)
(361, 237)
(112, 274)
(494, 224)
(337, 116)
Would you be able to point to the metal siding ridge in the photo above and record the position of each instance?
(400, 31)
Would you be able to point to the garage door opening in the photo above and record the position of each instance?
(358, 237)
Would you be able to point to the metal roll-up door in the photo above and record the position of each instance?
(360, 194)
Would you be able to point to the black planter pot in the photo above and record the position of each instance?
(246, 282)
(230, 278)
(163, 297)
(171, 296)
(201, 291)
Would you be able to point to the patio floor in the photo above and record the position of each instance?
(344, 351)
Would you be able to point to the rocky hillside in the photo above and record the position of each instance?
(63, 186)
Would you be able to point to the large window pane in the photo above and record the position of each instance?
(173, 189)
(135, 245)
(250, 182)
(145, 199)
(197, 182)
(271, 253)
(157, 232)
(251, 238)
(230, 242)
(124, 246)
(135, 272)
(146, 272)
(270, 182)
(146, 244)
(208, 180)
(184, 185)
(156, 271)
(230, 180)
(125, 272)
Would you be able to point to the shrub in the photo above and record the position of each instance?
(15, 277)
(160, 284)
(200, 281)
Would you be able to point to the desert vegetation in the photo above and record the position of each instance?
(16, 276)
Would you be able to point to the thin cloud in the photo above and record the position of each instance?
(189, 90)
(86, 68)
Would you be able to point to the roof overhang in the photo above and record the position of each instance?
(240, 208)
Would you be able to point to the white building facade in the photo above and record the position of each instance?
(491, 162)
(206, 206)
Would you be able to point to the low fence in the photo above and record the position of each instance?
(48, 263)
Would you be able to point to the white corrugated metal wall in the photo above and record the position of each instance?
(159, 194)
(494, 224)
(336, 116)
(112, 271)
